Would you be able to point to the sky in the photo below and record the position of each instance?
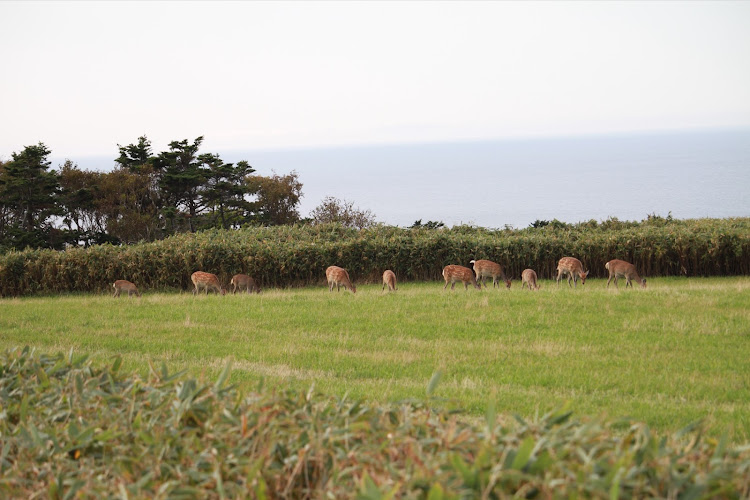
(83, 77)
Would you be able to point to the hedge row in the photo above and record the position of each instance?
(298, 255)
(72, 430)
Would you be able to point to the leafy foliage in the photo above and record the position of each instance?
(72, 429)
(277, 198)
(145, 198)
(298, 255)
(334, 211)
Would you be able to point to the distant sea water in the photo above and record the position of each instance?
(516, 182)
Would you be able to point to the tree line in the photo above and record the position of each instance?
(147, 196)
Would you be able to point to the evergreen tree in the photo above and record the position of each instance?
(28, 194)
(181, 181)
(225, 190)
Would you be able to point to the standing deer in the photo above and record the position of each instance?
(243, 282)
(528, 276)
(621, 269)
(339, 277)
(487, 268)
(573, 268)
(207, 281)
(124, 285)
(389, 280)
(453, 273)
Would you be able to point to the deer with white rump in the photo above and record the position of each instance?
(389, 280)
(487, 268)
(125, 286)
(573, 268)
(621, 269)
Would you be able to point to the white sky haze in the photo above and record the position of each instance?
(84, 76)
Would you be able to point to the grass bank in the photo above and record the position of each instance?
(668, 355)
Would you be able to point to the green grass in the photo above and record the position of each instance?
(674, 353)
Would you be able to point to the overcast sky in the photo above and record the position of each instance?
(84, 76)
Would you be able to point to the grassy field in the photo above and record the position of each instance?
(674, 353)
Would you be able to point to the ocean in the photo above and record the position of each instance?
(502, 183)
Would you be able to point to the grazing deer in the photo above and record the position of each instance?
(207, 281)
(528, 276)
(124, 285)
(621, 269)
(243, 282)
(485, 268)
(453, 273)
(339, 277)
(573, 268)
(389, 280)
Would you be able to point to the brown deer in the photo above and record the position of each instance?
(339, 277)
(243, 282)
(453, 273)
(621, 269)
(206, 281)
(127, 286)
(528, 276)
(573, 268)
(487, 268)
(389, 280)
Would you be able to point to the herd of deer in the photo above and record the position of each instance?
(483, 269)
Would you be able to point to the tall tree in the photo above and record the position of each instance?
(78, 199)
(278, 198)
(134, 157)
(225, 190)
(28, 192)
(139, 160)
(181, 181)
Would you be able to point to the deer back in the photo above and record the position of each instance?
(389, 279)
(529, 276)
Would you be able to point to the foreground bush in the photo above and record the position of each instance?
(298, 255)
(69, 429)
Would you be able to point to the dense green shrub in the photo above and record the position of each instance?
(72, 430)
(298, 255)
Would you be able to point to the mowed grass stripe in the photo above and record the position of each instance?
(667, 355)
